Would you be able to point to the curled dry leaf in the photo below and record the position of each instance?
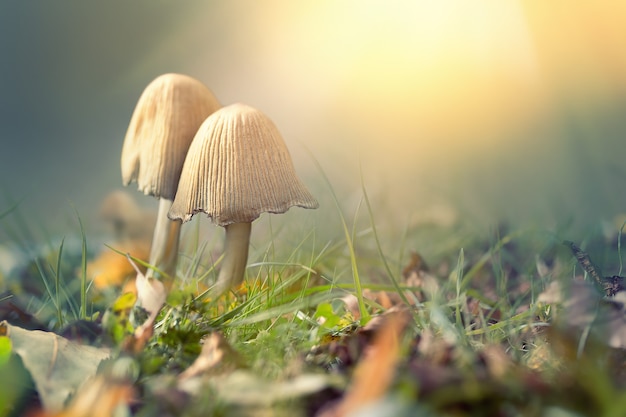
(151, 296)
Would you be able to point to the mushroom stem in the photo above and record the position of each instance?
(164, 250)
(236, 243)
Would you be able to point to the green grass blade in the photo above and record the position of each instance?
(619, 247)
(11, 208)
(139, 261)
(57, 284)
(390, 273)
(83, 278)
(486, 257)
(45, 280)
(285, 308)
(365, 316)
(459, 279)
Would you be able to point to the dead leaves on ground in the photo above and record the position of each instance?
(376, 370)
(109, 269)
(572, 334)
(461, 362)
(100, 396)
(57, 366)
(217, 357)
(221, 371)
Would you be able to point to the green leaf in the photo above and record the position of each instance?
(325, 310)
(117, 319)
(5, 350)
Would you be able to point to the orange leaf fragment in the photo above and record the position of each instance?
(374, 373)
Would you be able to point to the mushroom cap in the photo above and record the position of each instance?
(238, 167)
(162, 126)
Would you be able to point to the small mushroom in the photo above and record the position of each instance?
(237, 167)
(163, 124)
(125, 218)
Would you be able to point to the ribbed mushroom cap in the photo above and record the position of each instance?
(238, 167)
(164, 122)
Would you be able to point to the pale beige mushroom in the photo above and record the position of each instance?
(237, 167)
(125, 218)
(164, 122)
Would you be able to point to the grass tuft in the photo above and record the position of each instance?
(358, 289)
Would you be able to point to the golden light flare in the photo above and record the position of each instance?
(447, 76)
(580, 44)
(455, 73)
(443, 70)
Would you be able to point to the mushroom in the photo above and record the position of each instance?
(237, 167)
(163, 124)
(125, 218)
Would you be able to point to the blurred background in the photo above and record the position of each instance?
(493, 111)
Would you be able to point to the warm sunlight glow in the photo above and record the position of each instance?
(500, 105)
(435, 74)
(444, 72)
(439, 70)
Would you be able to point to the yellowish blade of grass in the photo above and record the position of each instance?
(365, 315)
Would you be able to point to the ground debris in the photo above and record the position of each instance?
(99, 397)
(217, 357)
(376, 369)
(58, 366)
(609, 286)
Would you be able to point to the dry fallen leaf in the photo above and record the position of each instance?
(151, 296)
(58, 366)
(416, 274)
(374, 373)
(580, 307)
(497, 361)
(99, 397)
(216, 357)
(220, 371)
(112, 269)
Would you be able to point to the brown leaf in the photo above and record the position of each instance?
(417, 274)
(112, 269)
(580, 308)
(497, 361)
(216, 357)
(374, 373)
(416, 265)
(99, 397)
(57, 366)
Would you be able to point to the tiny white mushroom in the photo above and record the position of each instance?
(163, 124)
(237, 167)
